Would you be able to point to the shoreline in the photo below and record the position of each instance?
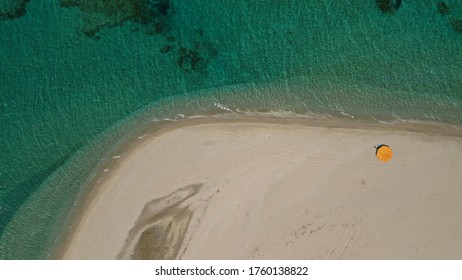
(105, 169)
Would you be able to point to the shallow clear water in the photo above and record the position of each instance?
(72, 86)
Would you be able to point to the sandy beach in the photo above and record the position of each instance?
(280, 190)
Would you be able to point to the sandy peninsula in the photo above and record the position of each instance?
(276, 190)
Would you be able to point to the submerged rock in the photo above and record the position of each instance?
(152, 16)
(456, 25)
(388, 7)
(166, 49)
(12, 9)
(188, 59)
(196, 57)
(443, 8)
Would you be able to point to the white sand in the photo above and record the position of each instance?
(278, 191)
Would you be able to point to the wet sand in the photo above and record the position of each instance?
(278, 189)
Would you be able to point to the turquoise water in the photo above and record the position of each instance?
(76, 79)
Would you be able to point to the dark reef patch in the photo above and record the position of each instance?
(188, 59)
(192, 56)
(14, 11)
(388, 7)
(197, 56)
(166, 49)
(456, 25)
(152, 16)
(443, 8)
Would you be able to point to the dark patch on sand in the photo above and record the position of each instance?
(162, 241)
(159, 231)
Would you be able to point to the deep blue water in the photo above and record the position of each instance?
(73, 78)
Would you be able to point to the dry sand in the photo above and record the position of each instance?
(243, 190)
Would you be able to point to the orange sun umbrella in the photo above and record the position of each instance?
(384, 152)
